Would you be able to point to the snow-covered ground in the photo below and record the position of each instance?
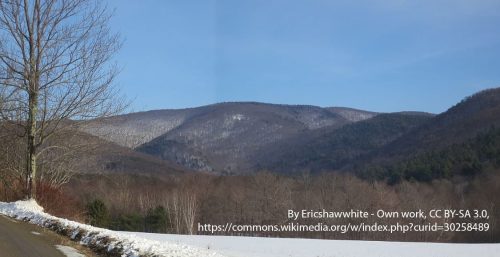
(142, 244)
(284, 247)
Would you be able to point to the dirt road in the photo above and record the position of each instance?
(20, 239)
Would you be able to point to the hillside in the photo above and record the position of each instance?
(461, 141)
(474, 114)
(237, 138)
(352, 114)
(134, 129)
(473, 157)
(332, 148)
(104, 157)
(220, 137)
(225, 137)
(86, 154)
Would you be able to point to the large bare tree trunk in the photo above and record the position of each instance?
(31, 149)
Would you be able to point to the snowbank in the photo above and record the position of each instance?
(101, 240)
(130, 244)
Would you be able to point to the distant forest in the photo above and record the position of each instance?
(469, 159)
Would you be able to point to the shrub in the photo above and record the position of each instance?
(156, 220)
(98, 214)
(59, 202)
(129, 222)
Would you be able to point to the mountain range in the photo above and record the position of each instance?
(246, 137)
(220, 138)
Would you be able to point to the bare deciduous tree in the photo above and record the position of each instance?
(54, 67)
(189, 206)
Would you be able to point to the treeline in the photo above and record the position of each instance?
(475, 156)
(177, 205)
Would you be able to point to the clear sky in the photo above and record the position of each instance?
(380, 55)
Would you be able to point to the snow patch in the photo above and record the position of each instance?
(231, 120)
(69, 251)
(28, 206)
(238, 117)
(35, 233)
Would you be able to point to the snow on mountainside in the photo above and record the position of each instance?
(134, 129)
(351, 114)
(223, 137)
(219, 137)
(130, 244)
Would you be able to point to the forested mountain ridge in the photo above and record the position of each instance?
(220, 137)
(463, 121)
(473, 157)
(240, 138)
(461, 141)
(329, 148)
(134, 129)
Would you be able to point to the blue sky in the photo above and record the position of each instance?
(379, 55)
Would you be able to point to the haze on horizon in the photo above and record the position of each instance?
(385, 56)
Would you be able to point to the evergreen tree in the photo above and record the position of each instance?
(156, 220)
(98, 214)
